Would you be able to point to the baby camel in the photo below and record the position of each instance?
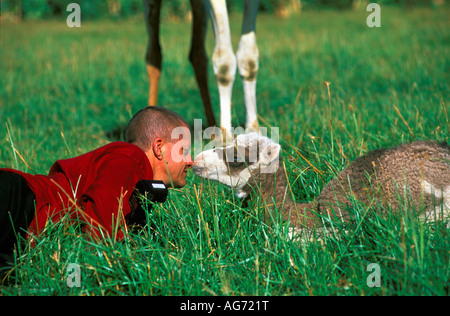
(418, 172)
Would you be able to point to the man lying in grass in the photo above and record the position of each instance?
(96, 187)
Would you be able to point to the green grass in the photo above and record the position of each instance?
(62, 91)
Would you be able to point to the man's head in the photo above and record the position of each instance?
(165, 138)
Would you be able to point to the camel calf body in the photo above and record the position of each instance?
(417, 174)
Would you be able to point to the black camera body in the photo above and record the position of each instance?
(145, 194)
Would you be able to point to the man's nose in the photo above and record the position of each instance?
(189, 161)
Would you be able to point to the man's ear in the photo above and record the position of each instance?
(157, 148)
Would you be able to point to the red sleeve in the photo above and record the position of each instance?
(105, 202)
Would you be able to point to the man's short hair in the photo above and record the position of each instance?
(152, 122)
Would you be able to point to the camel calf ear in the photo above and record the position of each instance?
(269, 158)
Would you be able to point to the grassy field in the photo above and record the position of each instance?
(65, 91)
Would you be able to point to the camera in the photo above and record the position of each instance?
(141, 200)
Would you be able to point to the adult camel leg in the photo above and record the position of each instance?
(224, 62)
(153, 56)
(198, 56)
(247, 60)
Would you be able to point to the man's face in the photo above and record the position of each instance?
(177, 156)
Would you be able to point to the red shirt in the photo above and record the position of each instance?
(95, 187)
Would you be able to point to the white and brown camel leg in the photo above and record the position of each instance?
(225, 62)
(247, 59)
